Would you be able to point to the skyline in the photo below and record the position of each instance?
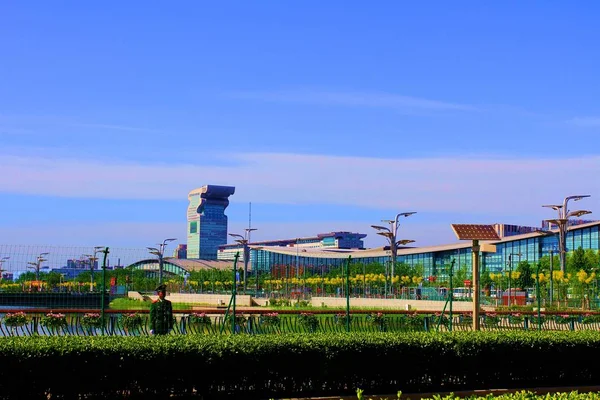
(325, 117)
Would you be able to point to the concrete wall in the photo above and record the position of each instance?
(397, 304)
(214, 300)
(207, 299)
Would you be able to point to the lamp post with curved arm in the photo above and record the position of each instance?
(160, 252)
(38, 264)
(2, 261)
(563, 221)
(244, 240)
(390, 234)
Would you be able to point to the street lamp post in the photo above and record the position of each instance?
(390, 234)
(510, 275)
(244, 240)
(38, 264)
(563, 221)
(160, 252)
(2, 260)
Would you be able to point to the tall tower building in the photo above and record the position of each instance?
(207, 222)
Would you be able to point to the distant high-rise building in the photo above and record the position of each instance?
(207, 222)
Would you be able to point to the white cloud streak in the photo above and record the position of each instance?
(585, 121)
(432, 184)
(354, 99)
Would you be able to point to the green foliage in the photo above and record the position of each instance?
(124, 303)
(91, 320)
(15, 319)
(309, 321)
(577, 261)
(270, 319)
(131, 320)
(278, 366)
(525, 280)
(200, 319)
(54, 320)
(590, 318)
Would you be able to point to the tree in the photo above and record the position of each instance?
(525, 280)
(577, 261)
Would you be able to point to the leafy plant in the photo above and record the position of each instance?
(515, 318)
(377, 318)
(270, 319)
(200, 319)
(309, 321)
(590, 318)
(91, 320)
(131, 320)
(54, 320)
(563, 318)
(15, 319)
(340, 319)
(491, 319)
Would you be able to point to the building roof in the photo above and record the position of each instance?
(196, 265)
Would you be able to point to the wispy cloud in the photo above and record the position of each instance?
(115, 127)
(585, 121)
(440, 184)
(353, 99)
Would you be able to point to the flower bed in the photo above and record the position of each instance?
(377, 318)
(309, 321)
(131, 320)
(270, 319)
(91, 320)
(200, 319)
(54, 320)
(15, 319)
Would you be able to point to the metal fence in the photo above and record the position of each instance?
(136, 323)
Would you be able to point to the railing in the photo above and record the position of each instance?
(289, 322)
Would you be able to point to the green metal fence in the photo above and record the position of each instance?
(135, 323)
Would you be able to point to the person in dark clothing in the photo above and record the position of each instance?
(161, 313)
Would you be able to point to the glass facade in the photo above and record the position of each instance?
(207, 222)
(435, 261)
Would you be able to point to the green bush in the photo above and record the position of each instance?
(285, 366)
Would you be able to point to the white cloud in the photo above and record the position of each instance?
(431, 184)
(586, 121)
(354, 99)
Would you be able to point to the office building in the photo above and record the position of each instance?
(207, 222)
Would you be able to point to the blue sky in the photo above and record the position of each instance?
(324, 115)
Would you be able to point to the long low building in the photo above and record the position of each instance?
(434, 260)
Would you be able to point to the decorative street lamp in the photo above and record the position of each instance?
(563, 221)
(2, 260)
(244, 240)
(37, 265)
(390, 234)
(159, 252)
(509, 263)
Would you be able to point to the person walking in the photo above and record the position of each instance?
(161, 313)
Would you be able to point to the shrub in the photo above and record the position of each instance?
(131, 320)
(340, 319)
(91, 320)
(270, 319)
(377, 318)
(563, 318)
(15, 319)
(515, 318)
(309, 321)
(590, 318)
(491, 319)
(54, 320)
(200, 319)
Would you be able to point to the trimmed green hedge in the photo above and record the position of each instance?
(293, 365)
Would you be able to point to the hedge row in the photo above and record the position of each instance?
(294, 365)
